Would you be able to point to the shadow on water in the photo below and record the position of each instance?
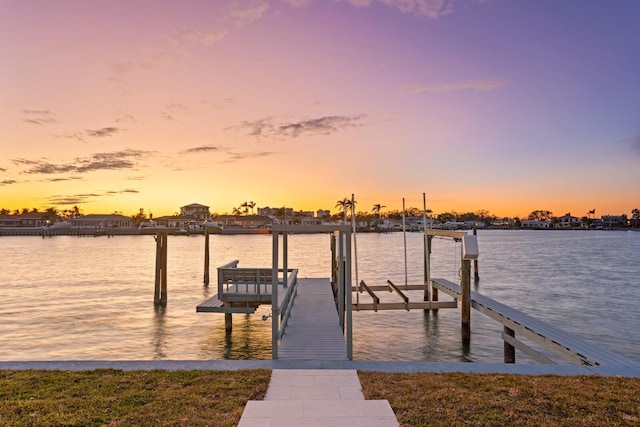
(159, 326)
(250, 338)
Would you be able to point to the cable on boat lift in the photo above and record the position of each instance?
(355, 245)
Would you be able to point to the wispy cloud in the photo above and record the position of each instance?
(101, 133)
(38, 117)
(268, 127)
(235, 156)
(201, 149)
(247, 11)
(187, 36)
(7, 182)
(297, 3)
(121, 117)
(432, 9)
(82, 135)
(127, 191)
(70, 178)
(172, 110)
(77, 199)
(118, 160)
(477, 85)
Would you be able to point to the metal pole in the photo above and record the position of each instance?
(285, 258)
(404, 235)
(355, 247)
(341, 277)
(426, 249)
(466, 301)
(206, 255)
(348, 300)
(274, 298)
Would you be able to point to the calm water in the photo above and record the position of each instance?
(69, 298)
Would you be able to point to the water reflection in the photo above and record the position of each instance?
(159, 325)
(250, 338)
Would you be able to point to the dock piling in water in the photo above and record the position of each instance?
(206, 255)
(160, 293)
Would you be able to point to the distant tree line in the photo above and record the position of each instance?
(344, 206)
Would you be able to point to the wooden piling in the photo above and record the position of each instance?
(160, 292)
(206, 255)
(228, 322)
(465, 301)
(509, 350)
(476, 274)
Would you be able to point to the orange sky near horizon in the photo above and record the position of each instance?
(122, 105)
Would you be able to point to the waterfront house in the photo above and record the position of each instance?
(102, 222)
(535, 224)
(245, 221)
(178, 222)
(30, 219)
(568, 221)
(614, 221)
(197, 211)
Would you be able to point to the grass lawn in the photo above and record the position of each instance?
(217, 398)
(425, 399)
(138, 398)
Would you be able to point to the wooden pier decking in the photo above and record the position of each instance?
(313, 331)
(569, 346)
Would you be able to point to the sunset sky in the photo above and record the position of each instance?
(503, 105)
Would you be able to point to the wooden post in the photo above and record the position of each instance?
(434, 291)
(206, 255)
(156, 292)
(509, 350)
(466, 301)
(228, 322)
(163, 297)
(160, 291)
(476, 273)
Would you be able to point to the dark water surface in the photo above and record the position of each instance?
(69, 298)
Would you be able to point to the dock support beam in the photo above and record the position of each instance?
(206, 255)
(160, 292)
(509, 350)
(466, 301)
(476, 273)
(228, 322)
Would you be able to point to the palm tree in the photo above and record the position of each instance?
(376, 210)
(50, 215)
(244, 207)
(251, 205)
(235, 212)
(343, 206)
(75, 211)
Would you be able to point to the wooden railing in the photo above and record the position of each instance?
(287, 302)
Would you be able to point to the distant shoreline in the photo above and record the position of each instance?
(90, 232)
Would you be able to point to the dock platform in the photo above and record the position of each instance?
(313, 331)
(569, 346)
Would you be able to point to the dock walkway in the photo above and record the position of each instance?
(563, 343)
(313, 331)
(316, 398)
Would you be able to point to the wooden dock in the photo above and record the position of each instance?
(562, 343)
(313, 331)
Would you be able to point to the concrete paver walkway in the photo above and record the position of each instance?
(316, 397)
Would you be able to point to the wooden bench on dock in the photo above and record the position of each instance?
(574, 349)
